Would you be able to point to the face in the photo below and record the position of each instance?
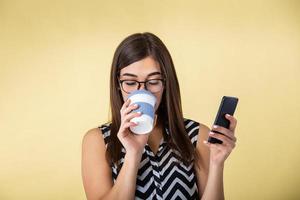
(143, 70)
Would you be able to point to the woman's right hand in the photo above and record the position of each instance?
(133, 143)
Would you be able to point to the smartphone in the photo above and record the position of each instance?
(227, 106)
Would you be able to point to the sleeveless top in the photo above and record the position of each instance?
(162, 175)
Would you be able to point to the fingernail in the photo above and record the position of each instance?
(205, 142)
(227, 115)
(139, 112)
(134, 123)
(135, 105)
(215, 126)
(211, 133)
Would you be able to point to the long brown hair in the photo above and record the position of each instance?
(134, 48)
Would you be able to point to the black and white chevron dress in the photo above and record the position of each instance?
(162, 176)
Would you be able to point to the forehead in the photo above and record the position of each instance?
(142, 67)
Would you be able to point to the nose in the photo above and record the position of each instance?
(142, 86)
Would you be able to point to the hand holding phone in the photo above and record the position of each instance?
(227, 106)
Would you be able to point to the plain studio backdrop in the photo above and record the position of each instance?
(55, 59)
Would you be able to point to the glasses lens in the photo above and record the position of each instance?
(154, 85)
(129, 86)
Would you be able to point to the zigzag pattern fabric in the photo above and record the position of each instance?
(162, 175)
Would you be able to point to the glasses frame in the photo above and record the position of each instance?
(140, 82)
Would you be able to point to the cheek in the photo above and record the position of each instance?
(124, 96)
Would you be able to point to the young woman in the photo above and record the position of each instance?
(174, 160)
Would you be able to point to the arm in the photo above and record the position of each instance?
(209, 177)
(96, 172)
(212, 158)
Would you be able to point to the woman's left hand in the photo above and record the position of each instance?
(219, 152)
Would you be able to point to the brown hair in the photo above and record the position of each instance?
(134, 48)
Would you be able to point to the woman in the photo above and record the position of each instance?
(174, 160)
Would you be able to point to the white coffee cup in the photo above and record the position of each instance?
(146, 101)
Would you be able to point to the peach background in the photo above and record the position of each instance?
(54, 73)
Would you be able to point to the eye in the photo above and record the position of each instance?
(130, 83)
(153, 82)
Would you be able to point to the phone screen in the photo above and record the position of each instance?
(227, 106)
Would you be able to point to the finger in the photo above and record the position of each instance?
(220, 147)
(226, 141)
(130, 108)
(224, 131)
(125, 104)
(129, 124)
(122, 132)
(132, 115)
(233, 122)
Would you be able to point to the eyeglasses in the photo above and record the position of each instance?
(152, 85)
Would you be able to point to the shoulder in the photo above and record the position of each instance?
(96, 171)
(93, 137)
(93, 147)
(202, 164)
(97, 135)
(204, 130)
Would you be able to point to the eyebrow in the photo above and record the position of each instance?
(133, 75)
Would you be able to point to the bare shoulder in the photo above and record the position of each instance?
(203, 131)
(96, 172)
(93, 146)
(203, 161)
(93, 143)
(93, 136)
(202, 149)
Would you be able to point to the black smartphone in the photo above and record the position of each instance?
(227, 106)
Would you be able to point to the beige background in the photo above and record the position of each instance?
(55, 60)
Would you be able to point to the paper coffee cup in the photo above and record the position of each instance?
(146, 101)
